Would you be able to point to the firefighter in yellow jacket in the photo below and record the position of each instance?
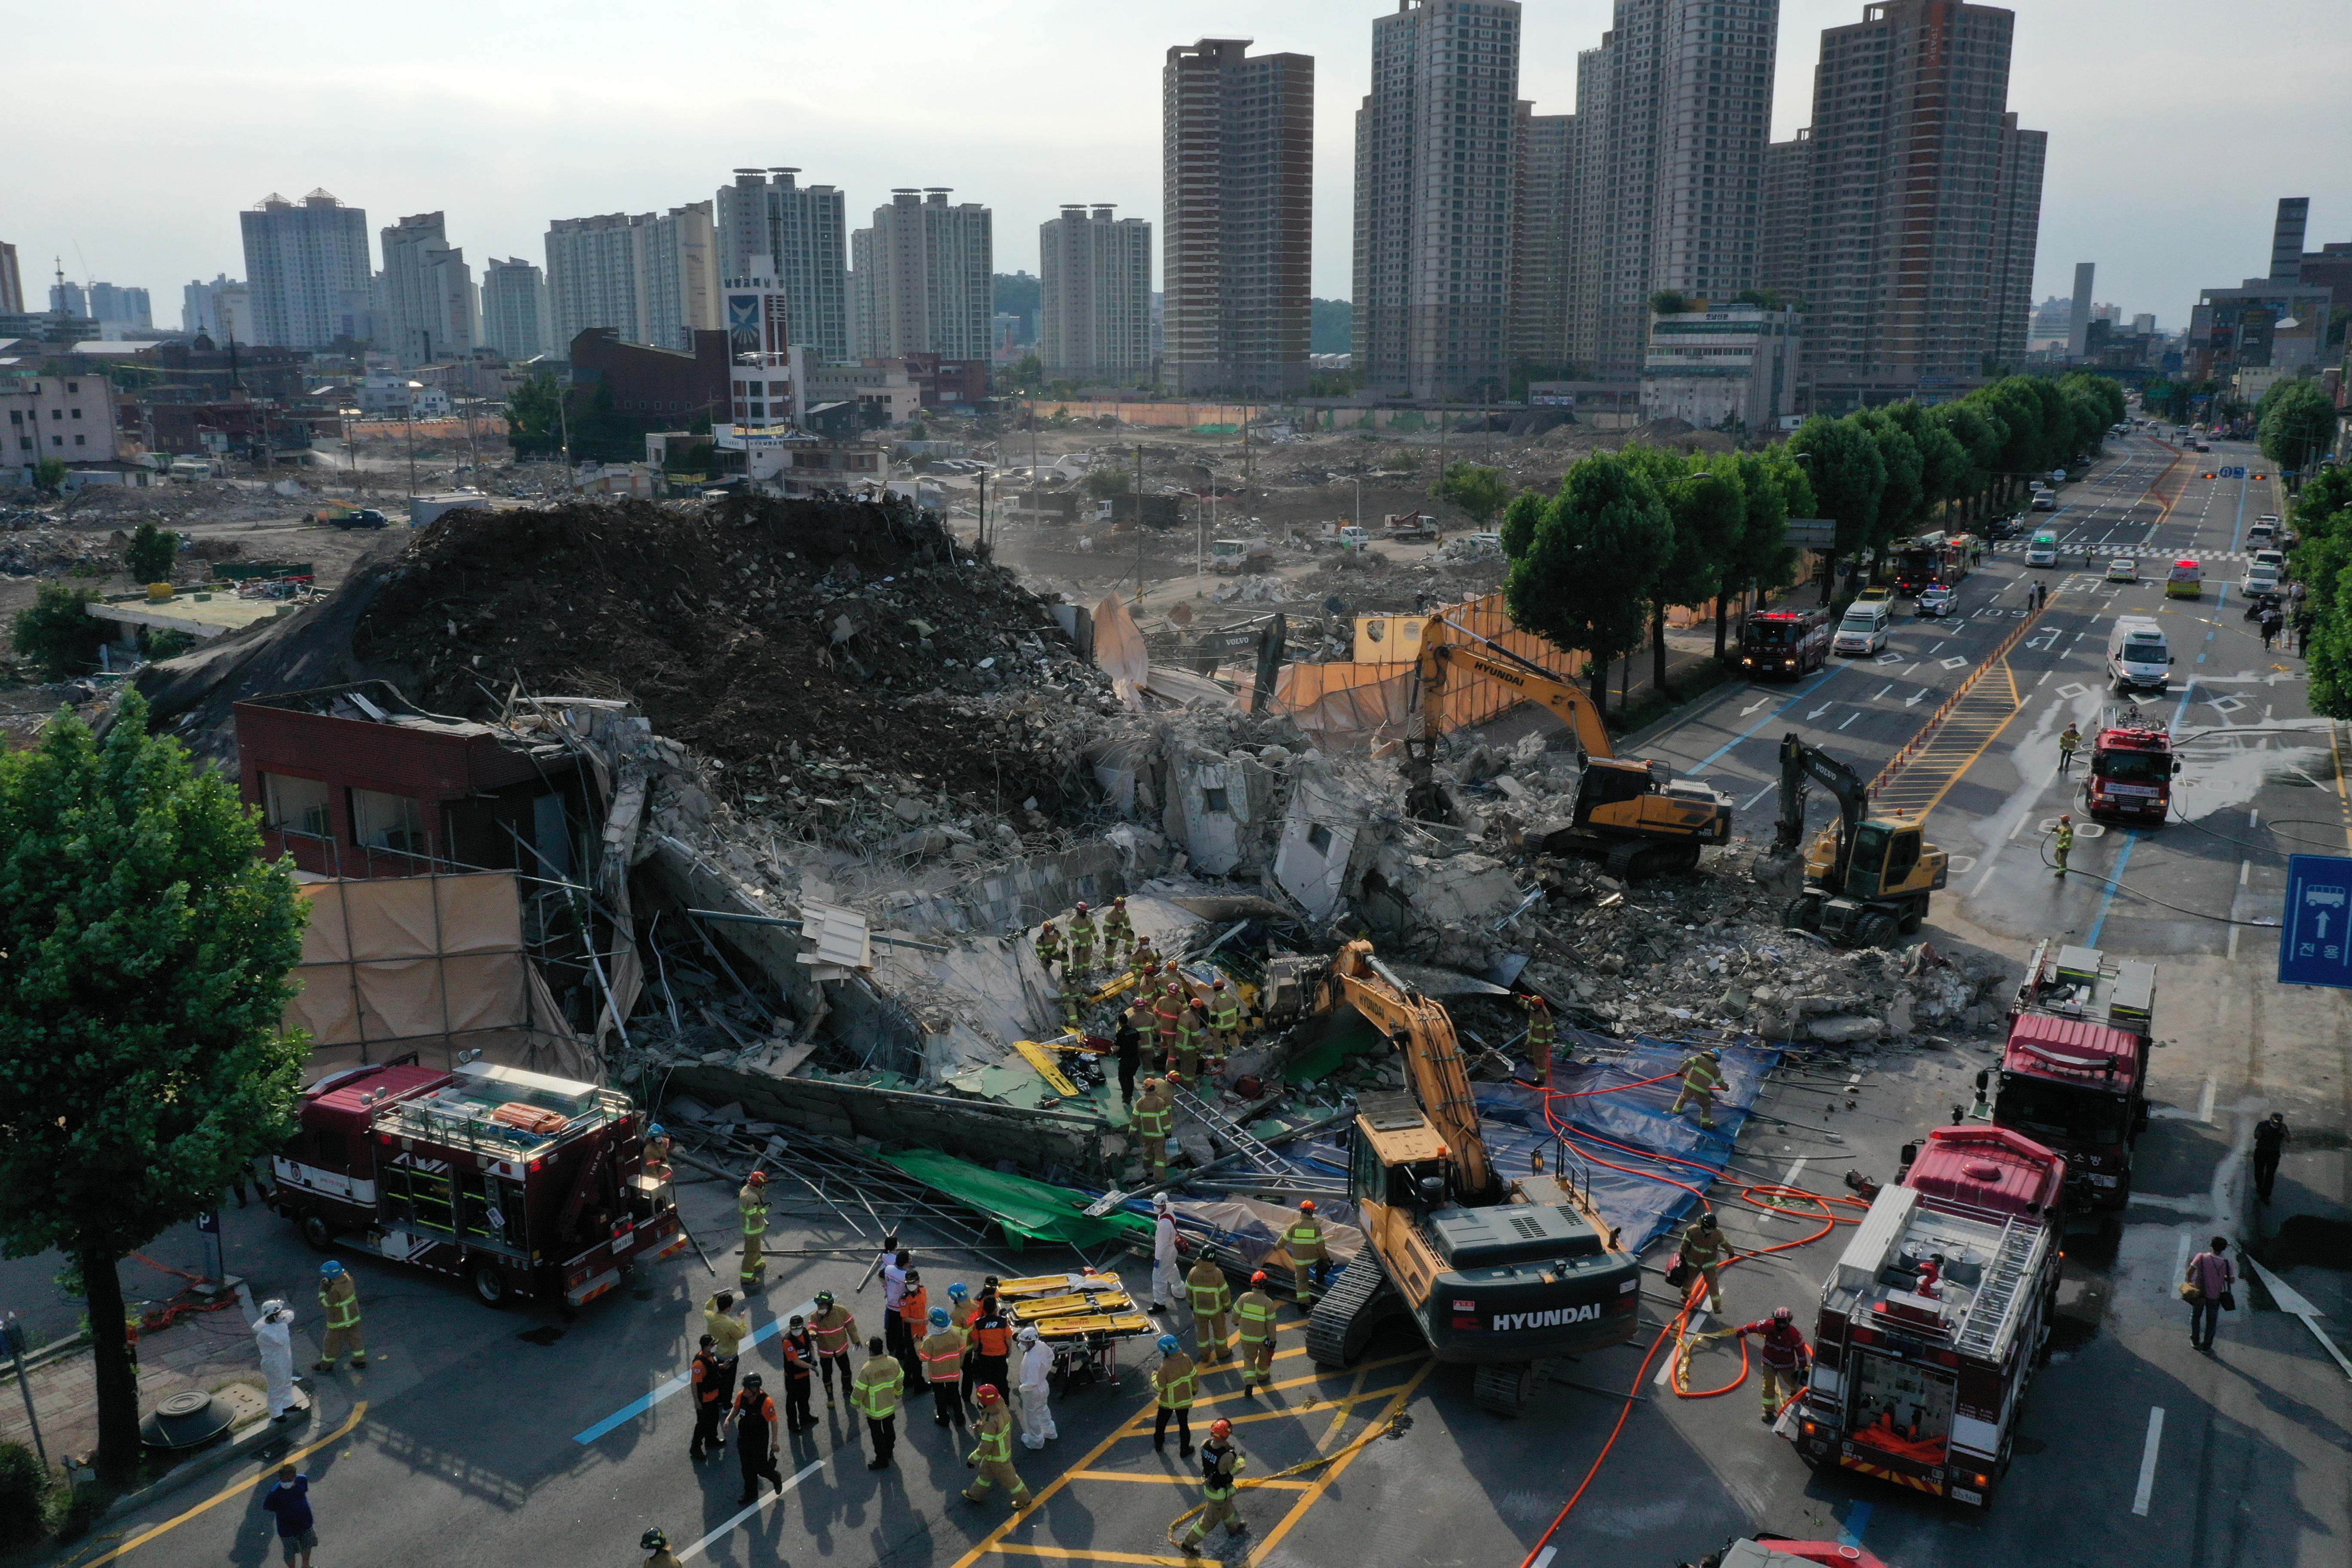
(341, 1299)
(752, 1200)
(1221, 1461)
(1309, 1254)
(1256, 1312)
(1212, 1299)
(993, 1458)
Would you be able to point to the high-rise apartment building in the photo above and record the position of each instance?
(1783, 239)
(307, 263)
(1543, 241)
(69, 298)
(120, 306)
(428, 292)
(221, 309)
(1922, 197)
(923, 278)
(514, 309)
(1436, 198)
(1095, 309)
(803, 230)
(650, 277)
(1237, 150)
(2286, 238)
(11, 281)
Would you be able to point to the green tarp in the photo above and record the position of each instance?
(1024, 1209)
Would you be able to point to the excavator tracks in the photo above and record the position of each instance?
(1343, 1321)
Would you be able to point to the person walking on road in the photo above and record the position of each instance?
(2070, 741)
(1172, 1385)
(2206, 1289)
(880, 1383)
(341, 1298)
(1702, 1080)
(754, 1417)
(753, 1204)
(1036, 1371)
(993, 1457)
(290, 1499)
(1167, 1285)
(800, 1372)
(1785, 1355)
(1256, 1312)
(834, 1330)
(712, 1382)
(1220, 1463)
(2269, 623)
(941, 1351)
(654, 1545)
(273, 1337)
(1212, 1300)
(1705, 1249)
(1310, 1256)
(2270, 1139)
(2062, 841)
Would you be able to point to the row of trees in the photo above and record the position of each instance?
(2295, 423)
(2322, 565)
(1596, 564)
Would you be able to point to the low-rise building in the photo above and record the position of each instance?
(71, 418)
(792, 462)
(1729, 369)
(656, 387)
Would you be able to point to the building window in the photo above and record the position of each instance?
(297, 805)
(73, 386)
(391, 822)
(1319, 838)
(78, 441)
(1216, 802)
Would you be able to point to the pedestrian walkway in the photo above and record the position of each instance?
(2116, 547)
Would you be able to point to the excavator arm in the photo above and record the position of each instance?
(1434, 1064)
(1565, 699)
(1800, 762)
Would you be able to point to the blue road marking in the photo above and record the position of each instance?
(2108, 894)
(1857, 1519)
(638, 1406)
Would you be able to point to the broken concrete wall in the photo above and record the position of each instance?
(1015, 896)
(1221, 807)
(1329, 833)
(1440, 910)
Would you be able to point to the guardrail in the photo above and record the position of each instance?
(1918, 743)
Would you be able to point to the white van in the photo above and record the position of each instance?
(1863, 630)
(2137, 658)
(2041, 550)
(2262, 577)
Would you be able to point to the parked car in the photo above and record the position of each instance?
(2123, 569)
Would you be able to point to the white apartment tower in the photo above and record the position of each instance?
(650, 277)
(1436, 198)
(514, 309)
(924, 277)
(307, 263)
(803, 230)
(428, 292)
(1095, 320)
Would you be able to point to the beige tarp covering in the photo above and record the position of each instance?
(1344, 705)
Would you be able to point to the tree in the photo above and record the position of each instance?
(1847, 474)
(1106, 482)
(1477, 490)
(151, 553)
(1705, 507)
(146, 955)
(2317, 508)
(1762, 299)
(1585, 570)
(1759, 556)
(534, 417)
(1519, 521)
(1943, 461)
(1669, 302)
(2298, 424)
(1902, 498)
(57, 633)
(1980, 435)
(1029, 373)
(49, 476)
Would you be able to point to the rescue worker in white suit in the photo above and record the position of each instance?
(1035, 1380)
(1167, 1280)
(273, 1335)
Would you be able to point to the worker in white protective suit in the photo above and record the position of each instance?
(1037, 1387)
(1167, 1282)
(273, 1335)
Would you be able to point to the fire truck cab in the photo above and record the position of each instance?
(2074, 1073)
(525, 1187)
(1933, 1320)
(1789, 642)
(2131, 773)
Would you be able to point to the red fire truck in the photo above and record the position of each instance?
(525, 1187)
(2132, 767)
(1785, 642)
(2074, 1072)
(1929, 559)
(1933, 1321)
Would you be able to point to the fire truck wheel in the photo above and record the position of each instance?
(489, 1285)
(318, 1233)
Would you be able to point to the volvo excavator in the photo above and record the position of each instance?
(1627, 813)
(1867, 878)
(1496, 1274)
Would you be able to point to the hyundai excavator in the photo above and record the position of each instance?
(1867, 878)
(1627, 813)
(1496, 1274)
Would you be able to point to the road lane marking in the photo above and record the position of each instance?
(1759, 794)
(2291, 1301)
(270, 1467)
(2148, 1461)
(804, 1473)
(2205, 1102)
(638, 1406)
(1851, 717)
(1857, 1519)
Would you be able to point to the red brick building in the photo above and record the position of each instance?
(662, 387)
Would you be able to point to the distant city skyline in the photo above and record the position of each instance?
(531, 123)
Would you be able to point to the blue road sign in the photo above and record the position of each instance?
(2317, 949)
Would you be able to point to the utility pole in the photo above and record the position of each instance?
(1139, 521)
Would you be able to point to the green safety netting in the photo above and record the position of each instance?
(1024, 1210)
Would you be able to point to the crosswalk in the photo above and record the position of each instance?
(2118, 547)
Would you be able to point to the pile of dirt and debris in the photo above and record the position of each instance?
(56, 552)
(772, 636)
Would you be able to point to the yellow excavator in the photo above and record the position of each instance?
(1498, 1274)
(1867, 878)
(1630, 814)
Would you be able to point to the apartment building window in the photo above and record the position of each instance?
(388, 822)
(297, 805)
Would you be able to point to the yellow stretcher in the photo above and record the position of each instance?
(1039, 1310)
(1056, 1285)
(1119, 1325)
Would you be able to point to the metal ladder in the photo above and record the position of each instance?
(2004, 1277)
(1226, 1131)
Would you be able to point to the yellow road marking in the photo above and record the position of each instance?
(1323, 1482)
(1178, 1480)
(1088, 1554)
(222, 1496)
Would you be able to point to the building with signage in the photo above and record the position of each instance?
(1732, 369)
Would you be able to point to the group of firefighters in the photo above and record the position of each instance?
(1194, 1033)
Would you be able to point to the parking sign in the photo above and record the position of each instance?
(2317, 948)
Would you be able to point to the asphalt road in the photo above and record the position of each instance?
(500, 1438)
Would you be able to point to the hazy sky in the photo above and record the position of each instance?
(140, 128)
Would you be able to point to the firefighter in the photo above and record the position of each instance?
(1143, 966)
(880, 1383)
(1082, 943)
(2063, 842)
(1074, 1002)
(727, 1330)
(1785, 1355)
(1167, 1008)
(914, 1313)
(658, 1145)
(2070, 741)
(1118, 931)
(1224, 1020)
(800, 1371)
(1166, 1286)
(1256, 1312)
(341, 1298)
(992, 1343)
(1310, 1257)
(1172, 1384)
(755, 1443)
(1036, 1390)
(753, 1202)
(1151, 1120)
(994, 1456)
(961, 1312)
(1706, 1249)
(656, 1546)
(1220, 1463)
(713, 1381)
(941, 1354)
(1049, 946)
(1212, 1305)
(1541, 1031)
(832, 1328)
(1702, 1078)
(1191, 1029)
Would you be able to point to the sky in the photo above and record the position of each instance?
(2174, 125)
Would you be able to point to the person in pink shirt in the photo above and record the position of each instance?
(2210, 1273)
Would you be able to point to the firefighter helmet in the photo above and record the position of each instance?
(1258, 1278)
(752, 1385)
(986, 1394)
(330, 1269)
(959, 1291)
(1306, 1206)
(1220, 1428)
(758, 1179)
(655, 1131)
(1781, 1314)
(824, 1300)
(938, 1317)
(1169, 1345)
(653, 1541)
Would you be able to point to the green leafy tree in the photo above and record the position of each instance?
(56, 634)
(151, 553)
(1759, 556)
(1902, 498)
(1943, 461)
(1847, 474)
(1519, 519)
(1979, 434)
(1584, 575)
(1705, 505)
(1480, 491)
(145, 953)
(1029, 373)
(2320, 502)
(49, 476)
(534, 417)
(1104, 483)
(2298, 424)
(1763, 298)
(1669, 302)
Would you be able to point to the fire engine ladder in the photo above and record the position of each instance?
(1228, 1131)
(1997, 1293)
